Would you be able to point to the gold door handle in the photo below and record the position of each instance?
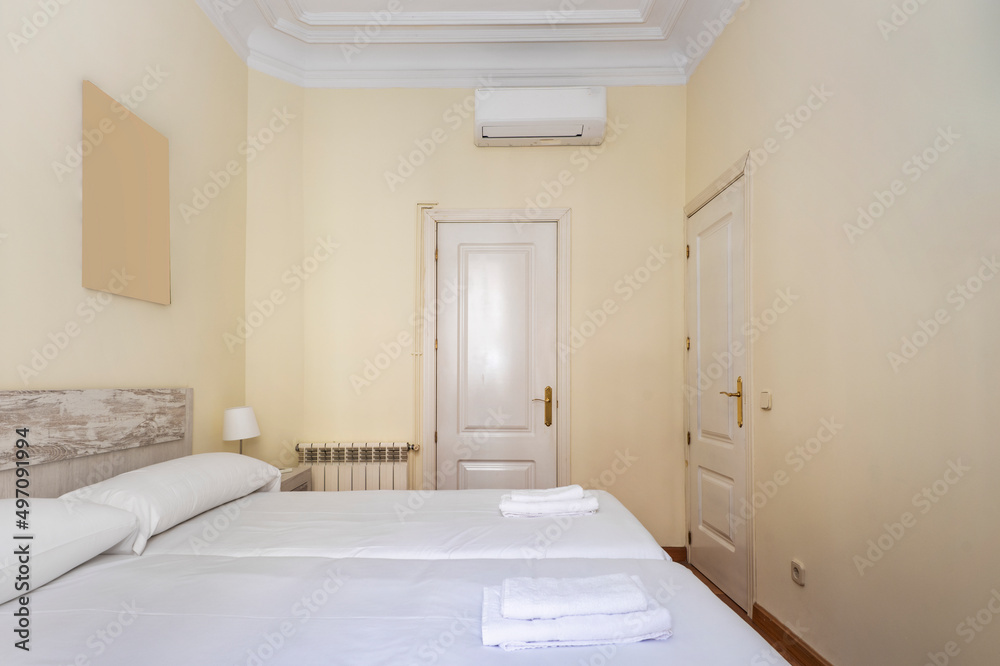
(548, 405)
(739, 403)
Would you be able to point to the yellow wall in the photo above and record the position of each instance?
(627, 200)
(828, 357)
(188, 84)
(271, 330)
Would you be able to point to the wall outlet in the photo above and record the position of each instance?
(798, 572)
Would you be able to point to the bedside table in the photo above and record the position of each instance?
(298, 479)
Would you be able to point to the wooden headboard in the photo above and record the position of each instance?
(80, 437)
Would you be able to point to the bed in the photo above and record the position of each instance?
(398, 524)
(219, 610)
(229, 572)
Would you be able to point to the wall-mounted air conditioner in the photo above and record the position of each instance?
(541, 116)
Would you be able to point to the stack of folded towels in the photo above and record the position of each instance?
(565, 501)
(526, 613)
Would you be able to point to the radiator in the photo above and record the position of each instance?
(357, 466)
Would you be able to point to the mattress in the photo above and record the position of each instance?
(173, 609)
(409, 525)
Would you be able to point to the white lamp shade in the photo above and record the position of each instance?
(239, 423)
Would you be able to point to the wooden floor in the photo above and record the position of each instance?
(777, 645)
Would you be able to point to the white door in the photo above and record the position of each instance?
(717, 365)
(496, 337)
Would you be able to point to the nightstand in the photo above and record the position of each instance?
(297, 479)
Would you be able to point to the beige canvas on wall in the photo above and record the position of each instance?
(126, 201)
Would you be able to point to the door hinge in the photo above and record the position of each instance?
(435, 254)
(688, 251)
(435, 436)
(689, 438)
(689, 538)
(689, 343)
(435, 343)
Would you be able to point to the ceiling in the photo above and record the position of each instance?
(471, 43)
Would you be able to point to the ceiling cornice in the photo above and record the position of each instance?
(617, 45)
(465, 18)
(465, 78)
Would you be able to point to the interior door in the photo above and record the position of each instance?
(496, 359)
(717, 368)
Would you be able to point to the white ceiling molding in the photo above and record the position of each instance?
(637, 14)
(382, 43)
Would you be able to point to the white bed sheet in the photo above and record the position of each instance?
(169, 610)
(408, 525)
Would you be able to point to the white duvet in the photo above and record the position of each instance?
(411, 525)
(171, 610)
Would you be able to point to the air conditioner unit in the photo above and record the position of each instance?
(541, 116)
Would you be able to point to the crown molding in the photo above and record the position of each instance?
(268, 38)
(466, 18)
(494, 35)
(464, 78)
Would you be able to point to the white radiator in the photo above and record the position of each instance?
(357, 466)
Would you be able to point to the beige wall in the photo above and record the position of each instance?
(188, 84)
(828, 357)
(271, 329)
(627, 200)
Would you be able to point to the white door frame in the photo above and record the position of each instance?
(426, 328)
(741, 169)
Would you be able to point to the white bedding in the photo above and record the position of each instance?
(169, 610)
(411, 525)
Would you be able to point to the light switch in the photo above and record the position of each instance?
(765, 400)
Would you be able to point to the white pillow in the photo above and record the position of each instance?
(65, 535)
(169, 493)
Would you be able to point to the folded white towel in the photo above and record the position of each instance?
(654, 623)
(547, 495)
(578, 507)
(545, 598)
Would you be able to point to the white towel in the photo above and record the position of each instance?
(548, 495)
(654, 623)
(578, 507)
(546, 598)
